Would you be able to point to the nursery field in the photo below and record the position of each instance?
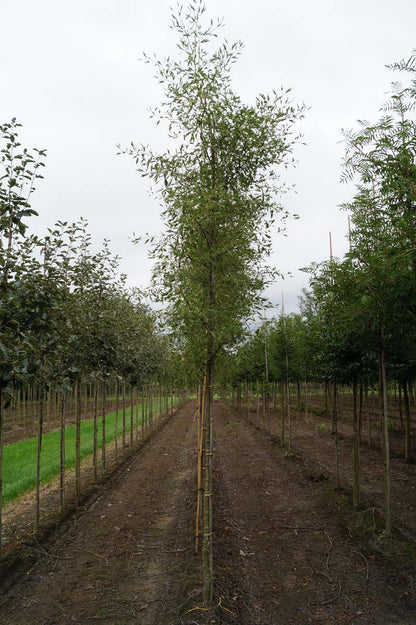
(288, 548)
(20, 457)
(124, 430)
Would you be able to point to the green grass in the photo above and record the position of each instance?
(19, 462)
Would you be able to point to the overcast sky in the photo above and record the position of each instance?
(70, 72)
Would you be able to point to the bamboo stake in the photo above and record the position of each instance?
(198, 498)
(201, 417)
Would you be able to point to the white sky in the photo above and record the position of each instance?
(70, 73)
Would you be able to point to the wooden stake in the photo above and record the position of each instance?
(201, 418)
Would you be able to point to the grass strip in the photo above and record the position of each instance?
(19, 461)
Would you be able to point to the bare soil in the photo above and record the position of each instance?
(287, 551)
(317, 444)
(288, 548)
(128, 556)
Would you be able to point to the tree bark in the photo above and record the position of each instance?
(38, 456)
(131, 416)
(283, 407)
(407, 424)
(289, 416)
(1, 461)
(116, 422)
(123, 399)
(336, 437)
(356, 489)
(78, 440)
(207, 554)
(62, 455)
(103, 425)
(385, 436)
(95, 432)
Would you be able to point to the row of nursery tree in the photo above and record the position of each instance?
(357, 322)
(219, 185)
(68, 324)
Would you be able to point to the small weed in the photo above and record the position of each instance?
(293, 456)
(392, 427)
(322, 428)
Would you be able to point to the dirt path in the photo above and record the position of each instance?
(281, 555)
(129, 557)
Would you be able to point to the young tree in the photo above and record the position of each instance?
(218, 184)
(381, 157)
(19, 170)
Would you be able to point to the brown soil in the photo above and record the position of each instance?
(319, 448)
(128, 557)
(287, 547)
(19, 515)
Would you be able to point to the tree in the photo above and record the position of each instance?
(381, 156)
(19, 170)
(218, 185)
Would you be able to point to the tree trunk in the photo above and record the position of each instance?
(257, 403)
(356, 489)
(103, 425)
(402, 426)
(1, 461)
(385, 435)
(201, 429)
(306, 398)
(78, 440)
(367, 408)
(289, 416)
(160, 401)
(407, 428)
(39, 451)
(336, 438)
(137, 414)
(326, 398)
(62, 455)
(207, 554)
(360, 412)
(143, 410)
(95, 432)
(283, 407)
(123, 399)
(131, 416)
(116, 423)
